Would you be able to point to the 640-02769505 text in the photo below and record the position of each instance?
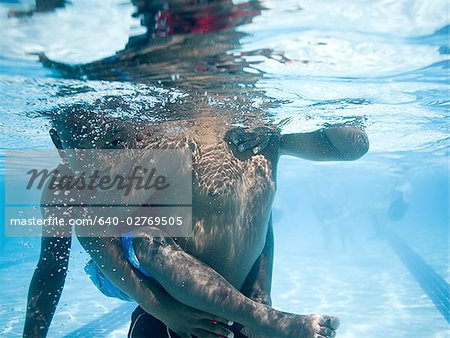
(137, 221)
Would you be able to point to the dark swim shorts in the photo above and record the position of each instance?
(144, 325)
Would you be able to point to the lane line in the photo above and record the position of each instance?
(433, 284)
(104, 325)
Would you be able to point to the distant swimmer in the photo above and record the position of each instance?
(400, 201)
(391, 209)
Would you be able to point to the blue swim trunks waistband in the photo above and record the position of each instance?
(103, 283)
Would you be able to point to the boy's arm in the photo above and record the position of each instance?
(328, 144)
(46, 285)
(182, 319)
(110, 259)
(50, 274)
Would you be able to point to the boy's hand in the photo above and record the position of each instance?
(246, 140)
(186, 321)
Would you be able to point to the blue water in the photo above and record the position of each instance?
(381, 65)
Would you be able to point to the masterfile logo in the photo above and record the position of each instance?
(99, 192)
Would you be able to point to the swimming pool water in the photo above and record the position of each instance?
(382, 65)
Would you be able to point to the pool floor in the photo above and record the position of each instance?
(373, 294)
